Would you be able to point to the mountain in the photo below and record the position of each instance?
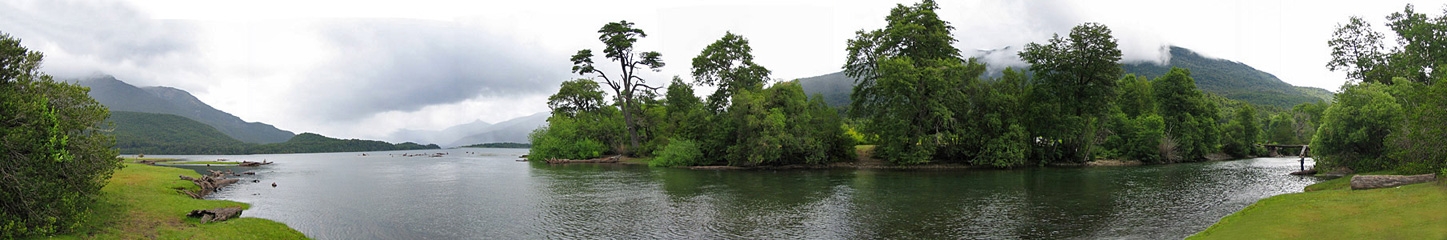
(451, 134)
(1232, 80)
(120, 96)
(1227, 78)
(312, 143)
(835, 87)
(515, 130)
(138, 132)
(156, 133)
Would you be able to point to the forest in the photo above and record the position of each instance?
(916, 99)
(153, 133)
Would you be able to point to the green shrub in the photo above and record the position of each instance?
(681, 152)
(55, 158)
(1353, 130)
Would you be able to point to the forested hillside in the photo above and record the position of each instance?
(121, 96)
(153, 133)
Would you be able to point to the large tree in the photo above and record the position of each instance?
(729, 64)
(619, 38)
(54, 158)
(1078, 74)
(1421, 48)
(909, 78)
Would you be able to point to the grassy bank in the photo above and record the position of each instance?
(141, 202)
(1331, 210)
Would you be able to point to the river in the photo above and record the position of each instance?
(483, 193)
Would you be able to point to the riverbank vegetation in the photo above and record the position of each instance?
(56, 155)
(916, 97)
(499, 145)
(1391, 115)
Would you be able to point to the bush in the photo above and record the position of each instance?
(55, 158)
(561, 140)
(678, 153)
(1353, 130)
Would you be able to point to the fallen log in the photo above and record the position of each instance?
(215, 215)
(208, 184)
(1360, 182)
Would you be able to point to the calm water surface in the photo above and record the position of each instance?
(483, 193)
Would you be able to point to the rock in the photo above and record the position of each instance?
(1307, 172)
(1360, 182)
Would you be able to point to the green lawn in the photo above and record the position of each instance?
(206, 162)
(1331, 210)
(141, 202)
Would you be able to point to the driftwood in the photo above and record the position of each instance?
(253, 164)
(613, 159)
(1360, 182)
(215, 215)
(208, 183)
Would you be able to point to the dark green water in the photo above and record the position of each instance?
(486, 194)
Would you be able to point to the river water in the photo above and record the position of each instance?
(475, 193)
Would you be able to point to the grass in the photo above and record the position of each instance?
(135, 160)
(141, 201)
(1331, 210)
(207, 162)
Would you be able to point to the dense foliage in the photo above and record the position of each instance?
(919, 101)
(1393, 116)
(56, 156)
(500, 145)
(743, 123)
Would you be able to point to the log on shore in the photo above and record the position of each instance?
(215, 215)
(253, 164)
(1360, 182)
(613, 159)
(208, 183)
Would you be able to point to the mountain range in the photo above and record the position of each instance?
(1223, 77)
(121, 96)
(169, 120)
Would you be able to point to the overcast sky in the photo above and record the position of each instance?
(365, 69)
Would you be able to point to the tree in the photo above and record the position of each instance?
(1242, 132)
(1422, 47)
(1357, 49)
(619, 37)
(1353, 130)
(909, 83)
(729, 64)
(1079, 73)
(56, 158)
(1282, 129)
(581, 95)
(1190, 119)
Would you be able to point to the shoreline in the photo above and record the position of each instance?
(1331, 209)
(142, 201)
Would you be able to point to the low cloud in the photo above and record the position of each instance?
(996, 31)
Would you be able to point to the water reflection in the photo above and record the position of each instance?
(488, 195)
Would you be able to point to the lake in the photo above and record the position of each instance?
(484, 193)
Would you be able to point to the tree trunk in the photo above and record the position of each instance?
(628, 124)
(1360, 182)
